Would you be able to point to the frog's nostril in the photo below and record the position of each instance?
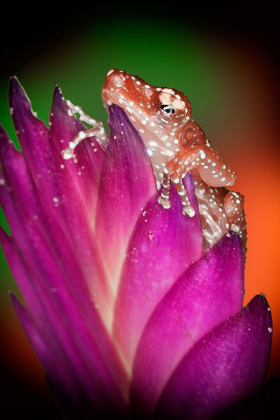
(115, 79)
(110, 72)
(115, 73)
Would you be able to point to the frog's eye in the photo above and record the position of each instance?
(168, 109)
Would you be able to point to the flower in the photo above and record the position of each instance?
(126, 312)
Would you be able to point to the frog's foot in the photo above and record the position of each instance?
(164, 201)
(234, 208)
(97, 131)
(187, 210)
(69, 151)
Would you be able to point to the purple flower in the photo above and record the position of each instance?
(126, 312)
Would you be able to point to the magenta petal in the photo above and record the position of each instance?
(59, 299)
(210, 291)
(43, 199)
(163, 245)
(64, 126)
(66, 189)
(127, 183)
(33, 136)
(54, 260)
(76, 367)
(85, 167)
(224, 366)
(15, 180)
(39, 236)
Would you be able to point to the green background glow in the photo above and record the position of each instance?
(79, 66)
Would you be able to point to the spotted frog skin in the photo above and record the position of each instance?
(176, 145)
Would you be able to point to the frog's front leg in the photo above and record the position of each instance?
(207, 164)
(97, 130)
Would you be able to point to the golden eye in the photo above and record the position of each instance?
(168, 109)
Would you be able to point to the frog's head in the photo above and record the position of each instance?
(157, 110)
(159, 114)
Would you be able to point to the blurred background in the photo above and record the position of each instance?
(224, 58)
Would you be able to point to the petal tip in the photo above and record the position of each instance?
(12, 295)
(57, 91)
(14, 80)
(15, 302)
(118, 115)
(17, 96)
(5, 140)
(260, 300)
(14, 84)
(116, 111)
(58, 101)
(232, 240)
(2, 131)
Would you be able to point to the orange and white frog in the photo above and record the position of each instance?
(176, 145)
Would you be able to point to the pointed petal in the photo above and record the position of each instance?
(32, 133)
(20, 271)
(63, 182)
(62, 304)
(210, 291)
(60, 215)
(15, 179)
(163, 244)
(225, 366)
(56, 293)
(75, 368)
(85, 167)
(64, 126)
(127, 183)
